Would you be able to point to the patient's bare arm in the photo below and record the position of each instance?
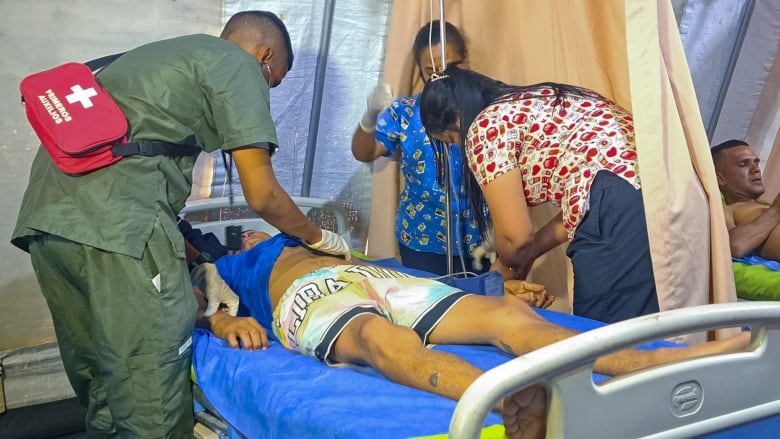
(754, 226)
(531, 293)
(238, 331)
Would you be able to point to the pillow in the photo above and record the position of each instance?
(756, 281)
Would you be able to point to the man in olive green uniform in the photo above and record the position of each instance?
(105, 246)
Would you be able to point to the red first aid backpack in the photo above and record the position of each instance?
(78, 122)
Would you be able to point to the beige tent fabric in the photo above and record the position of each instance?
(628, 51)
(688, 237)
(764, 130)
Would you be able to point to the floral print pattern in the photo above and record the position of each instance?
(559, 146)
(420, 221)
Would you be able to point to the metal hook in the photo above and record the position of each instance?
(435, 76)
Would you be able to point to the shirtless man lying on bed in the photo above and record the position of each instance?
(358, 313)
(752, 223)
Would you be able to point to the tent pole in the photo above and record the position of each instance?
(744, 22)
(442, 36)
(446, 150)
(316, 106)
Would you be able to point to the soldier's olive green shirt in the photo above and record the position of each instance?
(195, 89)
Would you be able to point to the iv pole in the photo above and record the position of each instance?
(446, 151)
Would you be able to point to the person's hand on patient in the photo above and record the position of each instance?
(217, 292)
(240, 332)
(533, 294)
(333, 244)
(506, 271)
(378, 100)
(513, 272)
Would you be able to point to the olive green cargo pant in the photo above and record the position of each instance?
(124, 328)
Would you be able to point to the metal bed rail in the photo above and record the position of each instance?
(681, 399)
(214, 214)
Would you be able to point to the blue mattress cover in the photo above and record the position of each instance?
(281, 393)
(754, 259)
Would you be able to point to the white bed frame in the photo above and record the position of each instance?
(223, 212)
(213, 215)
(683, 399)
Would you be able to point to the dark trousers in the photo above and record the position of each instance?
(124, 327)
(437, 263)
(610, 254)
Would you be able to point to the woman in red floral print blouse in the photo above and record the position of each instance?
(557, 143)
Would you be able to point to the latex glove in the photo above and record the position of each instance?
(480, 252)
(377, 101)
(334, 244)
(217, 291)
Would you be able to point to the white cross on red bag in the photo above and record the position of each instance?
(75, 119)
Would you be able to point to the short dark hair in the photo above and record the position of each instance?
(731, 143)
(430, 35)
(252, 25)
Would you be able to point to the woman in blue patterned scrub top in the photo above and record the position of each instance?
(397, 131)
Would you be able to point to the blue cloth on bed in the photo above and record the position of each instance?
(286, 394)
(490, 283)
(248, 273)
(281, 393)
(278, 393)
(754, 259)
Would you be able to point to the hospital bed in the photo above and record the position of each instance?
(277, 393)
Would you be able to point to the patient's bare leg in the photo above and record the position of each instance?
(512, 326)
(398, 353)
(639, 359)
(505, 322)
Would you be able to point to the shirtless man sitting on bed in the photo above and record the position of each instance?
(339, 312)
(752, 222)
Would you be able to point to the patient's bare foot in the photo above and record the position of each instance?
(736, 343)
(525, 413)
